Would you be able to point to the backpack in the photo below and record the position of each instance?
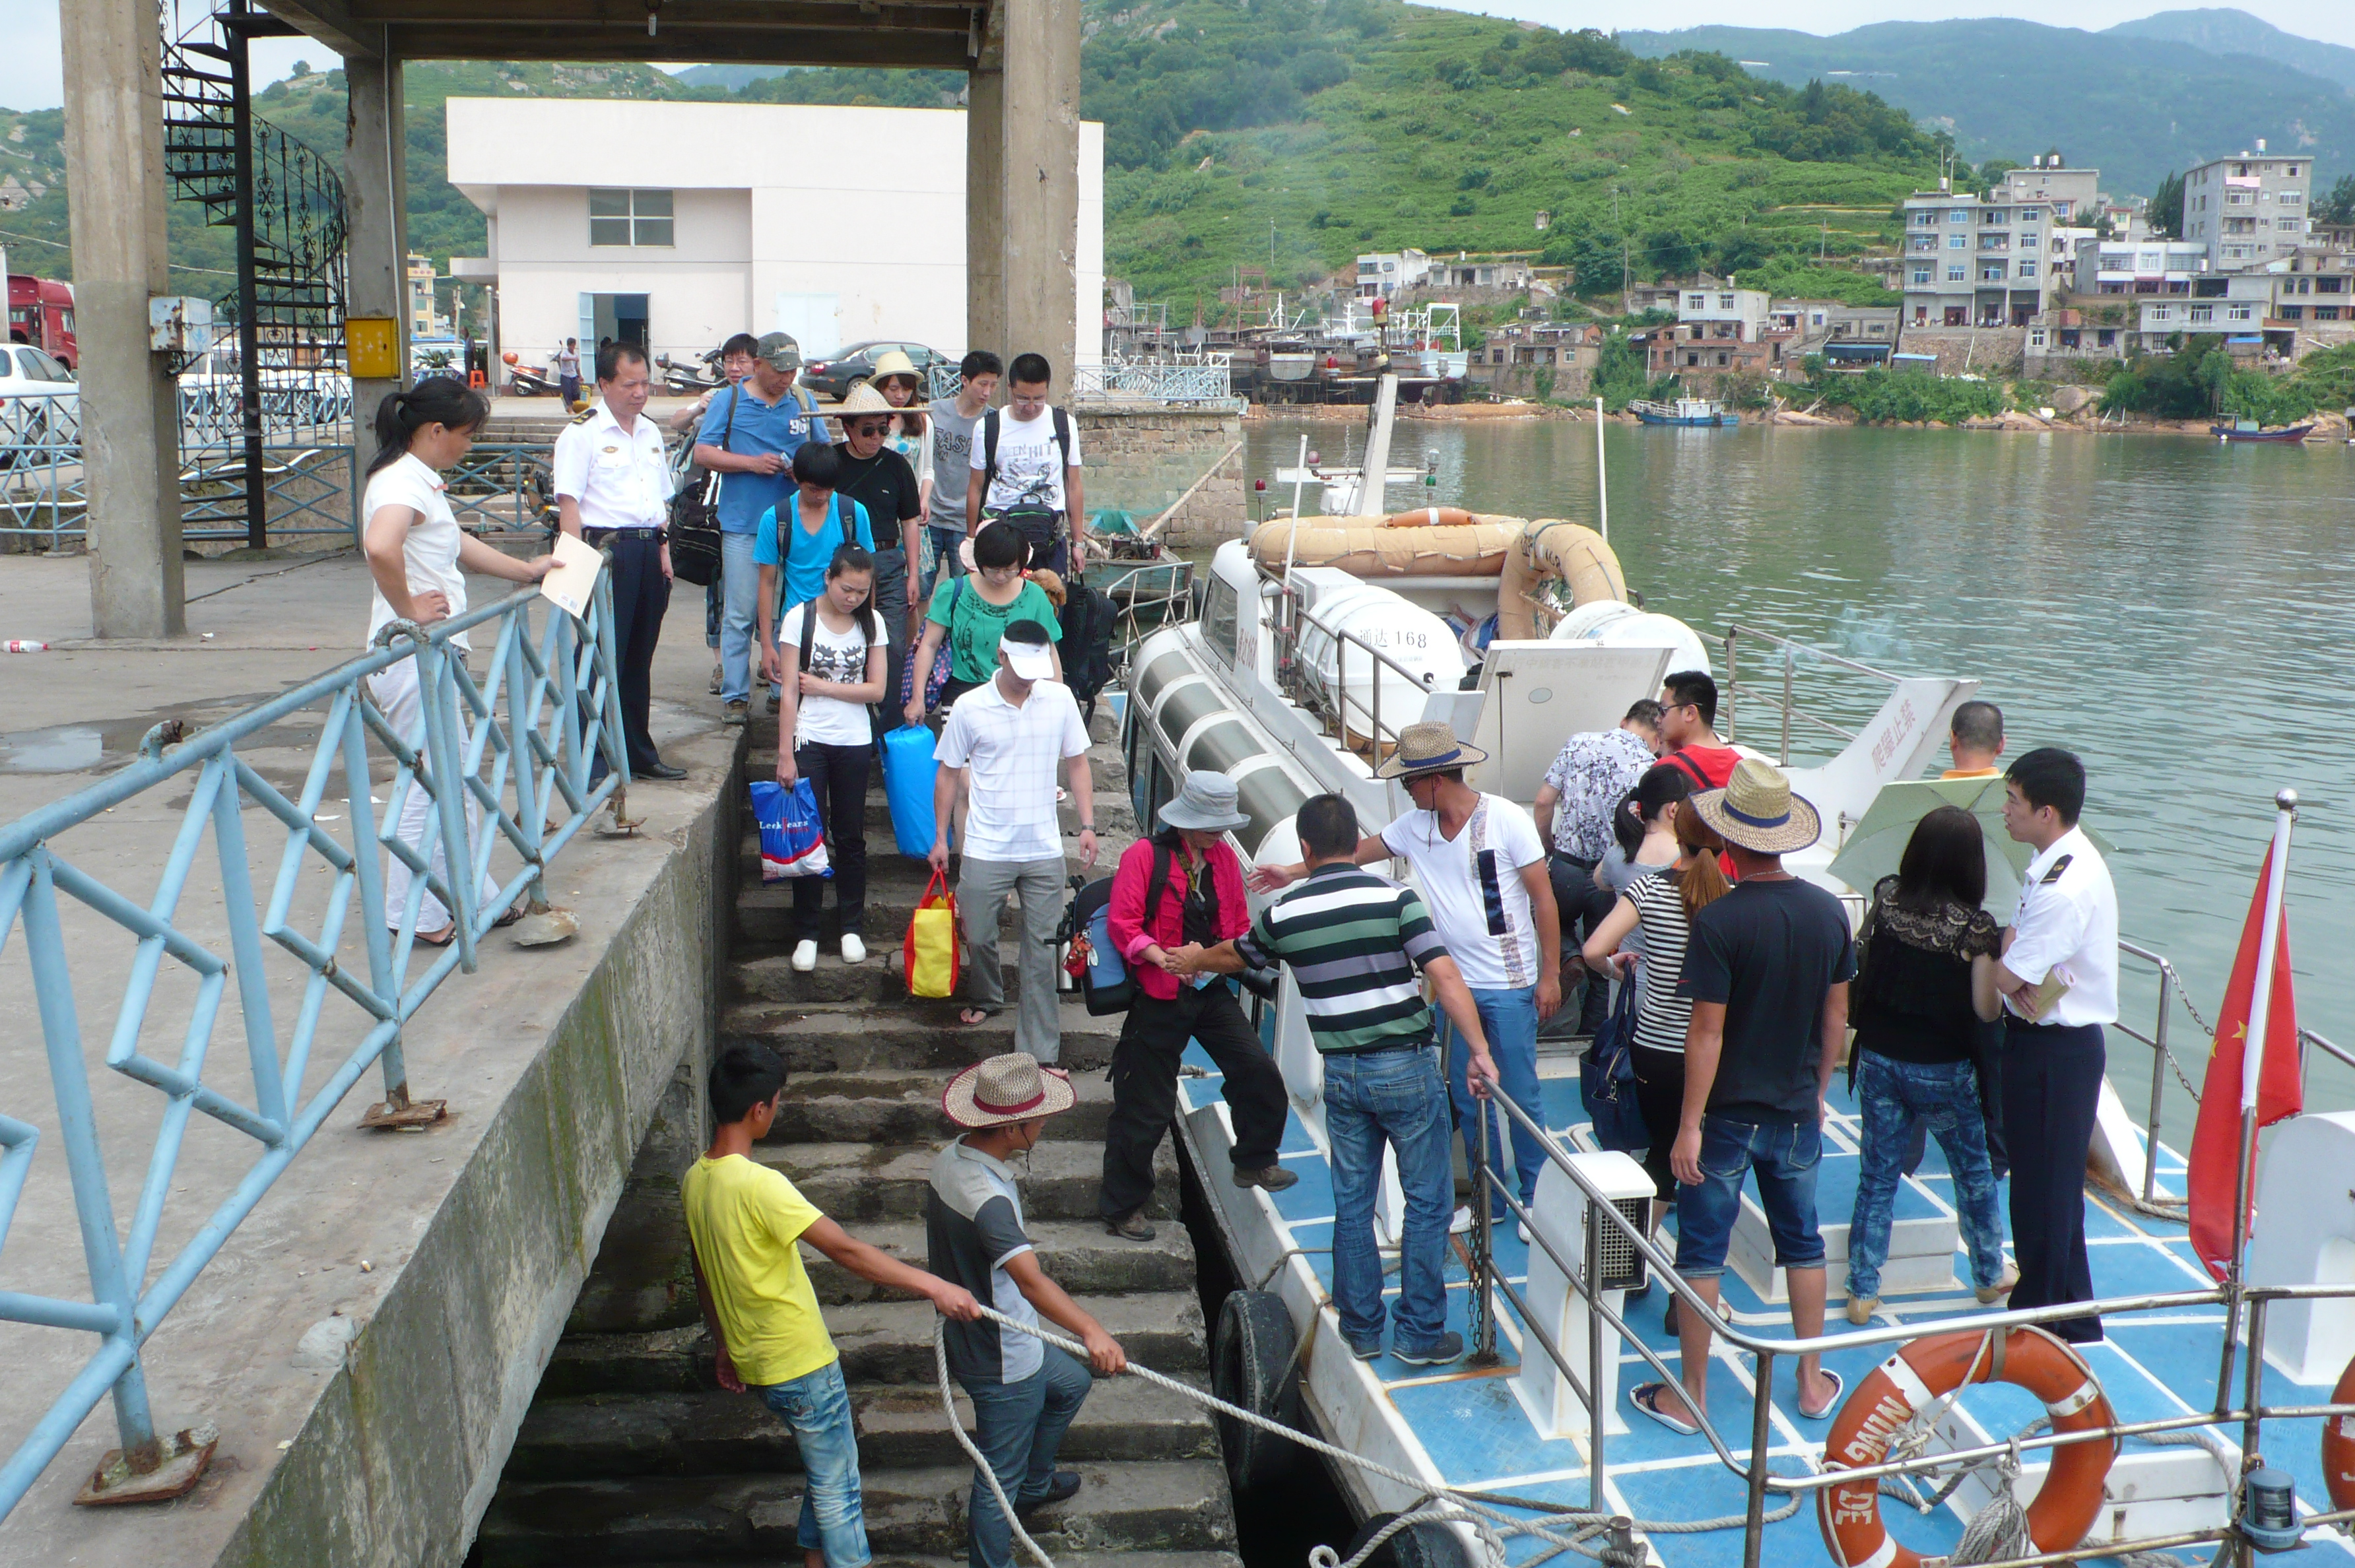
(1087, 620)
(1041, 525)
(1105, 983)
(787, 514)
(694, 531)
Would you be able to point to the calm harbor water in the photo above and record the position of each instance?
(2176, 610)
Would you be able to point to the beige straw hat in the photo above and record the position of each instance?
(1757, 810)
(1429, 747)
(1010, 1088)
(864, 399)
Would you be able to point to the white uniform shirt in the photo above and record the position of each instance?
(619, 477)
(2067, 925)
(1014, 753)
(429, 555)
(1473, 886)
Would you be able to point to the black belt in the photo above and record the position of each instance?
(601, 535)
(1572, 859)
(2013, 1020)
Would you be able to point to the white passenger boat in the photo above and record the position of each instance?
(1298, 682)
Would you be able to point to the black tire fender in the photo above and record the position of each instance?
(1426, 1543)
(1252, 1365)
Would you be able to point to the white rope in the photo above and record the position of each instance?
(1442, 1505)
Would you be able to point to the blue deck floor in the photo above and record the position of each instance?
(1478, 1438)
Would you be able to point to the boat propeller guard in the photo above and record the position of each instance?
(1912, 1390)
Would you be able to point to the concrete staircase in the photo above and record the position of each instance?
(630, 1453)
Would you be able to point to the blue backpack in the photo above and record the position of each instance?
(1105, 984)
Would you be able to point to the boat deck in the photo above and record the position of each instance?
(1466, 1427)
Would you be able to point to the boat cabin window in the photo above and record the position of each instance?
(1220, 616)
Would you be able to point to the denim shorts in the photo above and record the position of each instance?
(1786, 1158)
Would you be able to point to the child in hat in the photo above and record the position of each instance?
(742, 1220)
(1025, 1392)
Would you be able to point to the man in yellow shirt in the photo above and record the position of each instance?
(742, 1220)
(1975, 739)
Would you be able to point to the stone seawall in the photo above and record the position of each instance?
(1961, 350)
(1142, 458)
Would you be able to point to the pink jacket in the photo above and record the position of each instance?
(1133, 933)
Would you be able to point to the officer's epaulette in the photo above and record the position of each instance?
(585, 415)
(2053, 874)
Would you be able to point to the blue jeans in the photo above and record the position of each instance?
(713, 597)
(1019, 1426)
(739, 612)
(1944, 1098)
(1510, 1019)
(818, 1407)
(1394, 1097)
(1785, 1157)
(944, 562)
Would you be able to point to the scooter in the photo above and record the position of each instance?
(683, 381)
(530, 381)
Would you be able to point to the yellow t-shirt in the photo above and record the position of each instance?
(744, 1219)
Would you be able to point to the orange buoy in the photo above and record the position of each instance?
(1906, 1384)
(1429, 517)
(2339, 1444)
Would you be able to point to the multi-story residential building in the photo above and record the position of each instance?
(1972, 261)
(2071, 195)
(1720, 331)
(1815, 327)
(2249, 209)
(1383, 273)
(2138, 266)
(2235, 304)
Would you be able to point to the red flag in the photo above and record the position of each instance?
(2281, 1091)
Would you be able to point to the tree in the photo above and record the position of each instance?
(1670, 254)
(2338, 207)
(2166, 209)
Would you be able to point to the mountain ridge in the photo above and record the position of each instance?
(2222, 30)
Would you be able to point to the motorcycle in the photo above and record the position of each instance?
(684, 380)
(528, 380)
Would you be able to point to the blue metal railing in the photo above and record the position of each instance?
(517, 746)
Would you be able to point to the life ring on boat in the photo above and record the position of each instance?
(2339, 1444)
(1906, 1384)
(1430, 517)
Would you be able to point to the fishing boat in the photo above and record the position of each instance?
(1684, 412)
(2250, 430)
(1297, 680)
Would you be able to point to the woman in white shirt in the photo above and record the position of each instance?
(419, 558)
(835, 653)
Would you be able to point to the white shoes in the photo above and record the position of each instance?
(805, 957)
(852, 950)
(1524, 1231)
(1461, 1224)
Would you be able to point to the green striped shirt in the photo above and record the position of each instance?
(1354, 941)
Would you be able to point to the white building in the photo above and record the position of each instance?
(1745, 307)
(2139, 266)
(2247, 210)
(2071, 194)
(678, 224)
(1383, 272)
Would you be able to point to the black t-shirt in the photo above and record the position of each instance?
(886, 486)
(1769, 951)
(1912, 1001)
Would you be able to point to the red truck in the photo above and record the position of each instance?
(42, 313)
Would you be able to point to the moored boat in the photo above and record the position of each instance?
(1683, 411)
(2250, 430)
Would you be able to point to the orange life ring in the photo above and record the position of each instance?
(2339, 1444)
(1904, 1385)
(1429, 517)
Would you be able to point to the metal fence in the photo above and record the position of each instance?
(503, 487)
(1208, 384)
(515, 748)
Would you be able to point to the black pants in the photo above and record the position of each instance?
(1986, 1069)
(641, 597)
(2051, 1085)
(837, 776)
(1582, 904)
(1660, 1099)
(1144, 1087)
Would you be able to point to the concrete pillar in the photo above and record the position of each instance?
(1022, 183)
(376, 184)
(115, 203)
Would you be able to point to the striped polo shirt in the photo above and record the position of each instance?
(1354, 941)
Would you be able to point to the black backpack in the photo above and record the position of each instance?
(1041, 525)
(1087, 620)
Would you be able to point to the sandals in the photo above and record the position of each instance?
(514, 912)
(1646, 1397)
(449, 933)
(1831, 1404)
(973, 1018)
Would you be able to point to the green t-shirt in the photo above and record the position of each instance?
(975, 624)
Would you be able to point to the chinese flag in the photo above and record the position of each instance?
(2216, 1142)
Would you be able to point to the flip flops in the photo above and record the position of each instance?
(1831, 1404)
(1646, 1397)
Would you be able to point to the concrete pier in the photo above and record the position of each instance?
(1022, 191)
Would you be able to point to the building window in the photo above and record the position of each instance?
(2290, 170)
(2160, 312)
(2292, 312)
(1921, 275)
(1991, 271)
(2201, 314)
(2036, 337)
(2238, 313)
(629, 218)
(2293, 199)
(2326, 313)
(1957, 273)
(1958, 242)
(2027, 269)
(2289, 225)
(1924, 219)
(1725, 301)
(1958, 214)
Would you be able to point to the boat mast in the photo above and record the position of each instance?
(1299, 478)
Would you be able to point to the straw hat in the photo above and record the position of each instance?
(1206, 801)
(1007, 1088)
(864, 399)
(1757, 810)
(1429, 747)
(895, 362)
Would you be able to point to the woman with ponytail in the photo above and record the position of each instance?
(418, 556)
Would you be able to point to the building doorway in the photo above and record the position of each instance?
(619, 317)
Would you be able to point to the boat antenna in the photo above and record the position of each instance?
(1602, 487)
(1299, 478)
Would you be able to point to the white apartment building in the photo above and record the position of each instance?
(2138, 266)
(2234, 303)
(1745, 307)
(1971, 261)
(674, 224)
(1383, 272)
(2071, 195)
(2248, 210)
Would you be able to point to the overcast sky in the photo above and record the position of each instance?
(31, 77)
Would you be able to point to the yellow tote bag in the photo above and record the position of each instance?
(931, 953)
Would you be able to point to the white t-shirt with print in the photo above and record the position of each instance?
(429, 554)
(1479, 905)
(834, 655)
(1029, 461)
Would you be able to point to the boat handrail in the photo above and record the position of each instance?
(1758, 1481)
(1284, 632)
(1791, 648)
(1146, 609)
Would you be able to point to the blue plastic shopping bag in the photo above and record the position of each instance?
(792, 840)
(908, 774)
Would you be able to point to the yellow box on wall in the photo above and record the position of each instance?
(373, 342)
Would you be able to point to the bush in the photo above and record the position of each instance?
(1879, 395)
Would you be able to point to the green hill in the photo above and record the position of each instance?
(2134, 107)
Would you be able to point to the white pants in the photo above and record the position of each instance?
(396, 692)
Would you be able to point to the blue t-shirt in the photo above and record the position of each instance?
(780, 427)
(806, 553)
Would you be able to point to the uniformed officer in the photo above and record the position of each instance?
(613, 485)
(2058, 976)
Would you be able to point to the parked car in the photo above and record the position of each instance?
(37, 393)
(833, 376)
